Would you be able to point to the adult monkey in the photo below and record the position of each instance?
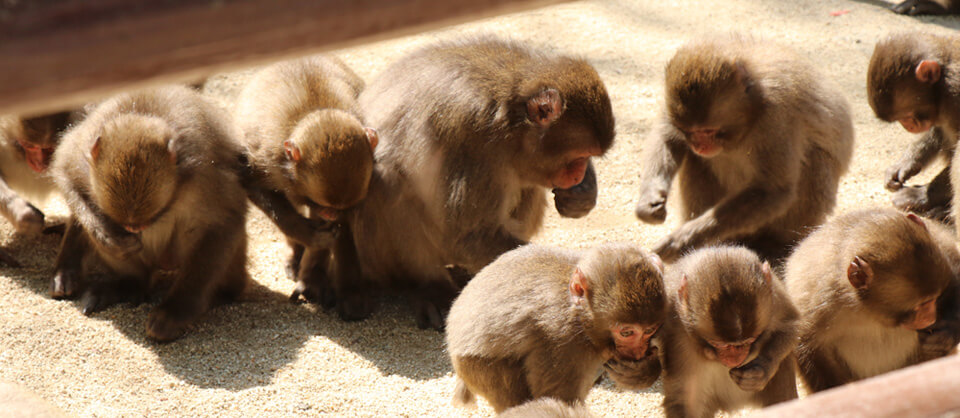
(472, 133)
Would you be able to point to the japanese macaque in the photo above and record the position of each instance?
(541, 322)
(473, 133)
(877, 291)
(730, 333)
(547, 408)
(909, 81)
(152, 179)
(26, 146)
(927, 7)
(758, 139)
(311, 158)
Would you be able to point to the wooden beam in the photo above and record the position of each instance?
(57, 53)
(926, 390)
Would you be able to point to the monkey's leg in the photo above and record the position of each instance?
(931, 200)
(112, 290)
(357, 296)
(559, 372)
(68, 267)
(293, 263)
(782, 386)
(296, 227)
(26, 218)
(313, 283)
(500, 381)
(236, 279)
(432, 300)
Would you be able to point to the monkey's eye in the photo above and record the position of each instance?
(626, 333)
(651, 330)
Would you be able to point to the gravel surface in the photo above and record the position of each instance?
(265, 356)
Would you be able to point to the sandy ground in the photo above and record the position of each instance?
(265, 356)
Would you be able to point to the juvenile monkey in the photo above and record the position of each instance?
(473, 132)
(541, 322)
(547, 408)
(911, 79)
(927, 7)
(152, 181)
(729, 337)
(310, 155)
(877, 291)
(26, 145)
(758, 139)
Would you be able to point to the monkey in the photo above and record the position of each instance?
(758, 140)
(472, 134)
(926, 7)
(909, 81)
(547, 408)
(309, 153)
(18, 401)
(152, 180)
(729, 336)
(26, 146)
(542, 322)
(877, 291)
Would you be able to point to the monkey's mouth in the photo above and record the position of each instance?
(327, 214)
(705, 149)
(38, 158)
(915, 126)
(134, 229)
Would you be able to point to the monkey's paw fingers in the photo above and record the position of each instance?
(28, 220)
(324, 237)
(652, 208)
(938, 343)
(911, 199)
(163, 326)
(64, 284)
(669, 249)
(751, 377)
(123, 245)
(897, 176)
(314, 293)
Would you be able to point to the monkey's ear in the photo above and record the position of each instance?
(928, 71)
(767, 273)
(545, 107)
(682, 291)
(657, 262)
(372, 137)
(94, 150)
(291, 150)
(916, 219)
(859, 273)
(579, 285)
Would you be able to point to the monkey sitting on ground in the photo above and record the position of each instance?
(473, 133)
(877, 290)
(152, 179)
(758, 139)
(541, 322)
(26, 146)
(730, 333)
(927, 7)
(309, 153)
(909, 81)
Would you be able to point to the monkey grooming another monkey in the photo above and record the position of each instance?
(309, 153)
(909, 81)
(152, 181)
(758, 140)
(26, 146)
(541, 322)
(473, 132)
(877, 292)
(730, 333)
(927, 7)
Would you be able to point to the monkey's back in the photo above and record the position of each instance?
(509, 306)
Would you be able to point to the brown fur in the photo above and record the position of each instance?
(19, 402)
(927, 7)
(517, 332)
(547, 408)
(311, 103)
(465, 157)
(785, 138)
(165, 161)
(848, 334)
(728, 300)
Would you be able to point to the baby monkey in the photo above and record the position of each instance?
(541, 322)
(878, 292)
(730, 333)
(311, 158)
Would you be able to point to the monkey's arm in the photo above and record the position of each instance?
(69, 263)
(102, 229)
(634, 374)
(915, 158)
(924, 7)
(26, 218)
(578, 200)
(473, 223)
(820, 368)
(754, 375)
(279, 209)
(943, 336)
(662, 157)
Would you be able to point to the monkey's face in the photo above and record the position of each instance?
(133, 171)
(39, 139)
(722, 123)
(916, 107)
(560, 158)
(632, 341)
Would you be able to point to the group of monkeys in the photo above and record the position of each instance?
(432, 179)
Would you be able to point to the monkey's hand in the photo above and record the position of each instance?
(937, 341)
(652, 207)
(120, 244)
(634, 374)
(28, 220)
(753, 376)
(918, 7)
(324, 234)
(579, 200)
(899, 174)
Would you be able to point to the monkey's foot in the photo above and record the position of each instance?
(916, 199)
(432, 303)
(104, 294)
(8, 259)
(163, 326)
(314, 291)
(65, 284)
(356, 305)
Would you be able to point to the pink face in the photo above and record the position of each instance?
(914, 125)
(924, 315)
(703, 142)
(574, 169)
(633, 340)
(732, 354)
(38, 157)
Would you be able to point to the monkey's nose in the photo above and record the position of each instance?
(134, 228)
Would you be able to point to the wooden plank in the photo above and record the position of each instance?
(929, 389)
(56, 53)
